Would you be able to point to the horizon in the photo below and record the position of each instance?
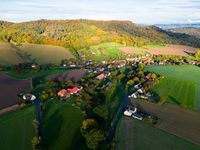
(142, 12)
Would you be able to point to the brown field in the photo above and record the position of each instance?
(174, 119)
(167, 50)
(10, 88)
(68, 75)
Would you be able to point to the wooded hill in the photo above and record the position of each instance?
(78, 34)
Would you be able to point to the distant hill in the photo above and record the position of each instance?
(78, 34)
(172, 26)
(190, 31)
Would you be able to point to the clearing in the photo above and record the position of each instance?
(133, 134)
(181, 86)
(17, 130)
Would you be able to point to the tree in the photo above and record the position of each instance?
(197, 54)
(94, 137)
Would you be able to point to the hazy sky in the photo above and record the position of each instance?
(138, 11)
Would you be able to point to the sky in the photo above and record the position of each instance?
(138, 11)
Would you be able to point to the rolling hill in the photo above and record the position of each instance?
(190, 31)
(78, 34)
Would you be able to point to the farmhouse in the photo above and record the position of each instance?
(133, 113)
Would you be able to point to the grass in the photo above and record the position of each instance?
(182, 85)
(16, 129)
(133, 134)
(46, 53)
(103, 51)
(8, 54)
(61, 126)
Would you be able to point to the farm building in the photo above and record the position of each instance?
(29, 97)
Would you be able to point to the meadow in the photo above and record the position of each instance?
(133, 134)
(8, 54)
(46, 53)
(16, 129)
(103, 51)
(61, 125)
(181, 85)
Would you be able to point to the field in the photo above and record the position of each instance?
(163, 50)
(103, 51)
(46, 53)
(10, 88)
(61, 126)
(68, 75)
(178, 121)
(181, 86)
(133, 134)
(8, 54)
(16, 129)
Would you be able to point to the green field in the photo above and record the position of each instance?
(181, 85)
(46, 53)
(103, 51)
(133, 134)
(61, 126)
(8, 54)
(16, 129)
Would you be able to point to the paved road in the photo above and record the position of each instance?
(174, 119)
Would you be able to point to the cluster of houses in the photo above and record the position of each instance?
(140, 93)
(66, 93)
(133, 113)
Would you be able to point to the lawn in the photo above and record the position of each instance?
(61, 126)
(46, 53)
(16, 129)
(133, 134)
(181, 85)
(103, 51)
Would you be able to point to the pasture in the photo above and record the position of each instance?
(46, 54)
(103, 51)
(9, 54)
(10, 88)
(133, 134)
(181, 85)
(16, 129)
(61, 125)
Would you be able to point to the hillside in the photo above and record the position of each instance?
(190, 31)
(78, 34)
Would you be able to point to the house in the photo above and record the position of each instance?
(103, 75)
(74, 90)
(63, 94)
(134, 95)
(34, 66)
(133, 113)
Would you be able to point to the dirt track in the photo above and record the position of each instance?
(168, 50)
(175, 120)
(9, 88)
